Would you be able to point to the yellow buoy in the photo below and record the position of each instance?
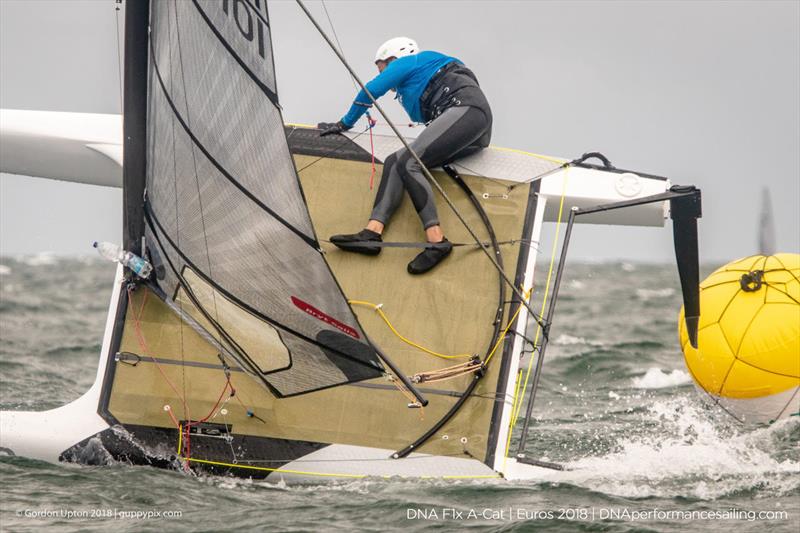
(748, 355)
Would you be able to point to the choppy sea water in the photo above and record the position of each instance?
(645, 450)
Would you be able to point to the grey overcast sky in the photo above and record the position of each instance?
(702, 92)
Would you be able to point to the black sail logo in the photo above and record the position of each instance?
(249, 19)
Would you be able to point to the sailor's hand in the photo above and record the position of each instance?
(329, 129)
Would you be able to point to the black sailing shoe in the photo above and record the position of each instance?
(430, 257)
(357, 242)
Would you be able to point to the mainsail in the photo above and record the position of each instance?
(224, 207)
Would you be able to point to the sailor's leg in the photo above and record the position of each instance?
(389, 195)
(387, 199)
(457, 129)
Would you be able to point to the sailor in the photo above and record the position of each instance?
(441, 92)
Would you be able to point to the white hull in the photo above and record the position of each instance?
(45, 435)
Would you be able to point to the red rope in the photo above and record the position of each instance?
(137, 323)
(168, 409)
(216, 405)
(191, 423)
(137, 326)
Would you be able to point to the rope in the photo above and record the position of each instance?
(468, 367)
(448, 372)
(412, 400)
(328, 474)
(508, 326)
(190, 423)
(137, 326)
(184, 442)
(377, 309)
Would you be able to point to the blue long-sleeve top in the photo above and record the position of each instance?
(409, 75)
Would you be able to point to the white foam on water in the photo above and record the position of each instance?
(569, 340)
(687, 453)
(649, 294)
(5, 270)
(655, 378)
(576, 284)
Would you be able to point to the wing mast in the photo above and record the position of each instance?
(134, 124)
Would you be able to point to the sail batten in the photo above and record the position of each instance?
(225, 208)
(157, 230)
(183, 123)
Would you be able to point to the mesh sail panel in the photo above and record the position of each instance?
(224, 206)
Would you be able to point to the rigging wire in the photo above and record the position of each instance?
(336, 36)
(370, 121)
(523, 384)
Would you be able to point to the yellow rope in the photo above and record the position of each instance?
(500, 338)
(517, 404)
(377, 309)
(523, 152)
(268, 469)
(329, 474)
(508, 326)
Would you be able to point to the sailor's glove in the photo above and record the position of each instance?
(329, 129)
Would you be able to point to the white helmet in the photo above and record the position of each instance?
(397, 47)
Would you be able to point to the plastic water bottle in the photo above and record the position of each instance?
(113, 252)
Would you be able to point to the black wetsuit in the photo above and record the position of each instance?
(459, 123)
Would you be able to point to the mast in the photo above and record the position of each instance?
(134, 123)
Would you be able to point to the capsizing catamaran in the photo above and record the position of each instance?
(256, 348)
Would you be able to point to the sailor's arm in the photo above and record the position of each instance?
(392, 76)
